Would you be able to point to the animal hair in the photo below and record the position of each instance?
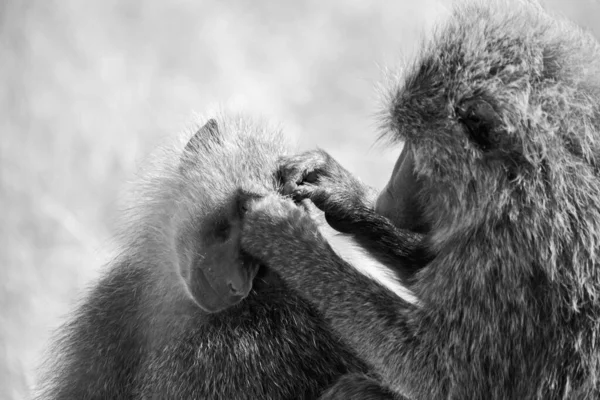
(501, 115)
(138, 333)
(520, 229)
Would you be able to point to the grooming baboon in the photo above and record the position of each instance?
(500, 116)
(166, 320)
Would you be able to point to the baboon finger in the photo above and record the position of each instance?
(303, 168)
(289, 177)
(303, 192)
(289, 188)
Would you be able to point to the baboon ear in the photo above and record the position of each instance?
(205, 136)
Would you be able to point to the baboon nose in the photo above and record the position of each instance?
(236, 287)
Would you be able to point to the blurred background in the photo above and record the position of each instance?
(88, 88)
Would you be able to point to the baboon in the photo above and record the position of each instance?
(167, 321)
(500, 116)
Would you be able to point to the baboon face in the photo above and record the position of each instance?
(221, 167)
(218, 273)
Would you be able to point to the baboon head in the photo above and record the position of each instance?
(500, 118)
(222, 165)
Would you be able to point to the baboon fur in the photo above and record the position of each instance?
(500, 113)
(139, 333)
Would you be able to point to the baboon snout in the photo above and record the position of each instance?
(399, 201)
(238, 286)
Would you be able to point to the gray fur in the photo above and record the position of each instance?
(141, 332)
(509, 305)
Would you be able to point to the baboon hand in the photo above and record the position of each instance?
(317, 176)
(275, 228)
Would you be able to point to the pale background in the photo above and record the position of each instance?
(88, 88)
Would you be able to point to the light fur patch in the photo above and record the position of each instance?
(347, 248)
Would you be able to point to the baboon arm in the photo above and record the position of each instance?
(369, 317)
(400, 249)
(349, 207)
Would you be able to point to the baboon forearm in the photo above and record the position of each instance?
(401, 250)
(355, 306)
(380, 237)
(384, 329)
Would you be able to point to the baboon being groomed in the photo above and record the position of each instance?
(500, 115)
(176, 315)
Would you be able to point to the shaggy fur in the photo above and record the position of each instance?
(509, 305)
(140, 334)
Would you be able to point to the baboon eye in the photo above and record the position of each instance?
(222, 229)
(481, 121)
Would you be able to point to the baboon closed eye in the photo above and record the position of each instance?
(481, 122)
